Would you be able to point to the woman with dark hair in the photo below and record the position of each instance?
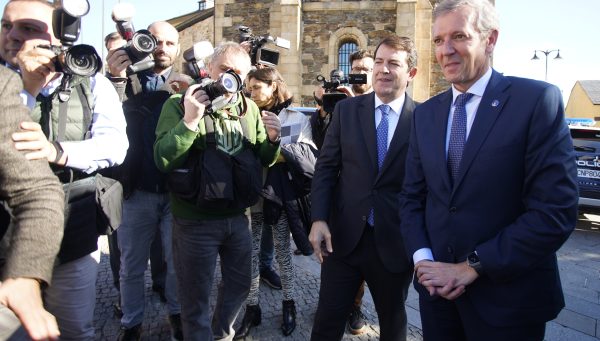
(285, 195)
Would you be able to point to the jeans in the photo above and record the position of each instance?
(72, 297)
(196, 245)
(144, 215)
(266, 248)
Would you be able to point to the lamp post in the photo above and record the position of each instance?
(546, 53)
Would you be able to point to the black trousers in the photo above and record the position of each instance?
(340, 280)
(444, 320)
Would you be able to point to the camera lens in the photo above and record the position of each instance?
(144, 42)
(82, 60)
(231, 82)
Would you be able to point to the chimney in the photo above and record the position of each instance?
(204, 4)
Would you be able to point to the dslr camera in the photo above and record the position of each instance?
(140, 44)
(81, 60)
(195, 57)
(332, 95)
(228, 83)
(258, 53)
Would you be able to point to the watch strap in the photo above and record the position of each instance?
(59, 151)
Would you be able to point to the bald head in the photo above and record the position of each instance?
(168, 45)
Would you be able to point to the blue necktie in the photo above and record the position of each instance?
(382, 145)
(458, 134)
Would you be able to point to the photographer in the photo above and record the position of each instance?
(214, 224)
(146, 210)
(87, 134)
(361, 62)
(283, 201)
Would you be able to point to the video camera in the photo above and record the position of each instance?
(140, 45)
(332, 95)
(258, 53)
(81, 60)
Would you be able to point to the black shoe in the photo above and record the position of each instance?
(117, 310)
(176, 329)
(271, 278)
(161, 292)
(252, 318)
(130, 334)
(356, 321)
(289, 317)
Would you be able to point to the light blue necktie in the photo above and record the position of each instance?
(458, 134)
(382, 145)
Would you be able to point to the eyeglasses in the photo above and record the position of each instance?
(361, 69)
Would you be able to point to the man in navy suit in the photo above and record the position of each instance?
(489, 194)
(355, 198)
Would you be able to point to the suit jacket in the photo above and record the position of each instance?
(514, 200)
(32, 192)
(347, 183)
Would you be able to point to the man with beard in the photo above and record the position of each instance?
(146, 210)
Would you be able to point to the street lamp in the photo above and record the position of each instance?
(546, 53)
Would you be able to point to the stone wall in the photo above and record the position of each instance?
(203, 30)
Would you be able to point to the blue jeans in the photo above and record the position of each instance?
(196, 245)
(266, 248)
(144, 214)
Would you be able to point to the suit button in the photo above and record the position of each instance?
(450, 250)
(452, 209)
(374, 192)
(364, 218)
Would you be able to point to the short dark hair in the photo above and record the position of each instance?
(110, 37)
(401, 44)
(360, 54)
(270, 75)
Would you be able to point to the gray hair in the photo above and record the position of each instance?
(230, 47)
(486, 16)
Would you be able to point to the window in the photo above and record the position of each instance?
(344, 52)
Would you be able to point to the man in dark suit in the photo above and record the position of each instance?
(355, 191)
(489, 193)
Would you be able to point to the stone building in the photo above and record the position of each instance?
(321, 33)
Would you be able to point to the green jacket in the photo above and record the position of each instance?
(174, 140)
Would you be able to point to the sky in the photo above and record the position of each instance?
(525, 26)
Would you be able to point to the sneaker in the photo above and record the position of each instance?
(271, 278)
(356, 321)
(130, 334)
(176, 330)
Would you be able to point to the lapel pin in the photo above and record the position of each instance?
(495, 103)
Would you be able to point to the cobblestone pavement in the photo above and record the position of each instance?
(579, 263)
(156, 327)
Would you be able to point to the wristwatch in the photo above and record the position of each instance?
(473, 261)
(59, 151)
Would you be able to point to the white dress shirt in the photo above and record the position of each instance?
(108, 143)
(393, 115)
(477, 89)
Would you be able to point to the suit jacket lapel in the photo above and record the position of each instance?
(401, 134)
(441, 126)
(491, 105)
(366, 118)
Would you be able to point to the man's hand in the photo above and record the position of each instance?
(194, 105)
(445, 279)
(36, 65)
(24, 298)
(273, 125)
(32, 140)
(117, 61)
(180, 83)
(319, 233)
